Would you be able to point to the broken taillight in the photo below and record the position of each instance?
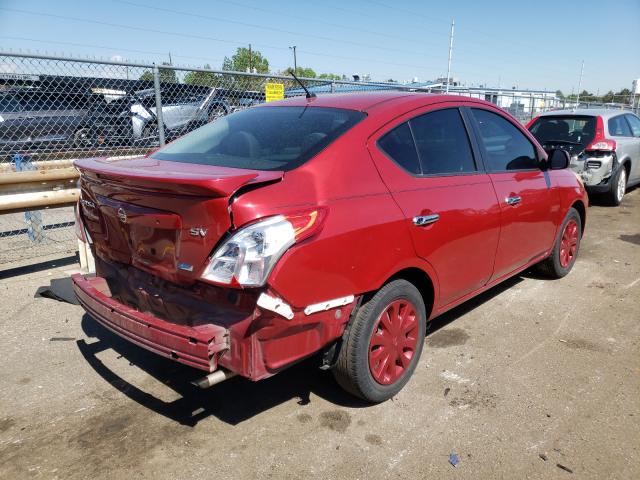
(599, 141)
(249, 255)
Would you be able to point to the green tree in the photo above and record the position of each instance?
(245, 61)
(302, 72)
(559, 94)
(167, 75)
(608, 97)
(330, 76)
(208, 79)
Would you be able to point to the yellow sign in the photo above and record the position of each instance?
(274, 91)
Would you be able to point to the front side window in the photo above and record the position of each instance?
(442, 141)
(262, 138)
(634, 123)
(506, 147)
(618, 127)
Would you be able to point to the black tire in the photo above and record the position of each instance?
(554, 266)
(81, 138)
(614, 195)
(150, 135)
(352, 371)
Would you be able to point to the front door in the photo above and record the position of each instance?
(529, 211)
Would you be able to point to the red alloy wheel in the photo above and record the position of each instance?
(568, 243)
(393, 342)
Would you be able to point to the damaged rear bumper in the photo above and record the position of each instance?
(196, 346)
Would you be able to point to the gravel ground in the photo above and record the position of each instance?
(535, 379)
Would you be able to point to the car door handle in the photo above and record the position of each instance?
(423, 220)
(513, 200)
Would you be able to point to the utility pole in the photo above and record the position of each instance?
(579, 85)
(250, 70)
(453, 23)
(295, 61)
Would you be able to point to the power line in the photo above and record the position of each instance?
(351, 28)
(263, 27)
(492, 34)
(104, 47)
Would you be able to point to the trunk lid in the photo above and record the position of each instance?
(162, 217)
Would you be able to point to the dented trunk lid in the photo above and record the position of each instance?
(160, 216)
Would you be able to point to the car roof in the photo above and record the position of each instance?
(586, 112)
(365, 101)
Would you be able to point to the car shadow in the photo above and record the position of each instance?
(236, 399)
(232, 401)
(446, 318)
(601, 199)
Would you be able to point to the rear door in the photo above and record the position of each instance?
(626, 145)
(426, 159)
(529, 209)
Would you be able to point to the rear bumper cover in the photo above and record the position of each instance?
(255, 344)
(194, 346)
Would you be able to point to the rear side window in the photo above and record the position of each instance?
(399, 146)
(262, 138)
(442, 141)
(634, 123)
(618, 127)
(506, 147)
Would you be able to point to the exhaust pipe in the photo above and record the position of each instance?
(213, 378)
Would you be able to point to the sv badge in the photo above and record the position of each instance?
(198, 232)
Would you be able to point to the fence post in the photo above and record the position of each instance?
(531, 100)
(156, 85)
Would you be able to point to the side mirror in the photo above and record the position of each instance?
(558, 159)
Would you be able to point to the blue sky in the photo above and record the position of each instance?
(500, 43)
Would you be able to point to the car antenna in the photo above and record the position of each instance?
(309, 94)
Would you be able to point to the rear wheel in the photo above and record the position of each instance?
(565, 250)
(383, 343)
(618, 186)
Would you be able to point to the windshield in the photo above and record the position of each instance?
(571, 129)
(262, 138)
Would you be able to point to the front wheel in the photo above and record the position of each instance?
(565, 250)
(383, 343)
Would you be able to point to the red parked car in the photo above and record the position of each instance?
(339, 224)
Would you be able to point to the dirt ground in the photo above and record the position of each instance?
(535, 379)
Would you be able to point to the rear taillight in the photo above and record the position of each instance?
(249, 255)
(599, 141)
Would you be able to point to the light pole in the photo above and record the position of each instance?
(453, 23)
(579, 86)
(295, 62)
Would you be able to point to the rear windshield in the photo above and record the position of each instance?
(262, 138)
(570, 129)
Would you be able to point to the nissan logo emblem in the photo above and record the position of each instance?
(122, 215)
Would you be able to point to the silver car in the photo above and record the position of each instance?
(179, 110)
(604, 146)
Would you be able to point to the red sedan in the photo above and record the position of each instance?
(340, 224)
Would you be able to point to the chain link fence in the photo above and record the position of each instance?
(54, 110)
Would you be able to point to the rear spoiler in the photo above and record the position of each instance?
(174, 177)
